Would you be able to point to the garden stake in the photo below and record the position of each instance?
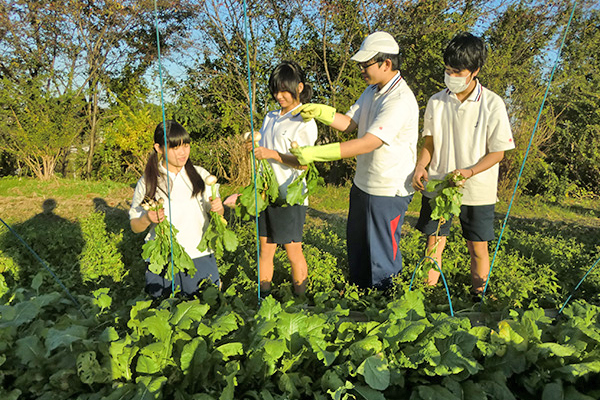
(162, 105)
(254, 172)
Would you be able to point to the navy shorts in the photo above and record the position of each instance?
(282, 225)
(477, 222)
(206, 268)
(372, 235)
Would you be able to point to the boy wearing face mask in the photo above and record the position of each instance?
(466, 130)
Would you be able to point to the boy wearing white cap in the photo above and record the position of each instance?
(387, 118)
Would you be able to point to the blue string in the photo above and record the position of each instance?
(577, 287)
(45, 266)
(254, 171)
(162, 105)
(528, 148)
(443, 280)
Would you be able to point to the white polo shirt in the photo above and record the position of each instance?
(277, 133)
(190, 214)
(391, 114)
(463, 133)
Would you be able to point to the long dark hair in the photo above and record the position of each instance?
(176, 136)
(286, 77)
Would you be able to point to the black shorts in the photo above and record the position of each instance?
(477, 222)
(282, 225)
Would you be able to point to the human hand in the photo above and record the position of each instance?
(230, 201)
(216, 205)
(320, 112)
(156, 216)
(460, 176)
(420, 177)
(262, 153)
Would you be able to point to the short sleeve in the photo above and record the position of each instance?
(307, 134)
(428, 120)
(389, 121)
(499, 134)
(136, 210)
(355, 110)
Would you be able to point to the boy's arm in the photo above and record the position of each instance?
(488, 161)
(343, 123)
(337, 150)
(365, 144)
(420, 174)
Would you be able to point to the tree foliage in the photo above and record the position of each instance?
(81, 47)
(85, 49)
(32, 124)
(573, 154)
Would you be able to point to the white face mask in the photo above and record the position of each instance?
(457, 84)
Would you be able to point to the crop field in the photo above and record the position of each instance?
(110, 341)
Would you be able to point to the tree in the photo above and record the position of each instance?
(40, 110)
(82, 46)
(516, 69)
(115, 35)
(38, 126)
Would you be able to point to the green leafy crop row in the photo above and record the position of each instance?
(219, 347)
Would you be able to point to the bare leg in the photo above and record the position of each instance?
(299, 267)
(435, 252)
(267, 252)
(480, 264)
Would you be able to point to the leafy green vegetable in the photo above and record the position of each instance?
(295, 191)
(447, 200)
(266, 186)
(158, 250)
(218, 237)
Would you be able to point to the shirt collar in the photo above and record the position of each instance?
(475, 94)
(289, 113)
(391, 84)
(163, 170)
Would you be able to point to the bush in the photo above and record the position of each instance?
(100, 256)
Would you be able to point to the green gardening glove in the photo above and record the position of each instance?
(326, 152)
(320, 112)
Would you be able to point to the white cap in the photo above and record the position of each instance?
(376, 42)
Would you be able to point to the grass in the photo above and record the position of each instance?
(59, 187)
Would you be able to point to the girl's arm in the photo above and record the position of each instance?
(287, 159)
(216, 205)
(142, 223)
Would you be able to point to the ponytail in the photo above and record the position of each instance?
(285, 78)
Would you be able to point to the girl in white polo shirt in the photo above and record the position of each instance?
(284, 224)
(190, 206)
